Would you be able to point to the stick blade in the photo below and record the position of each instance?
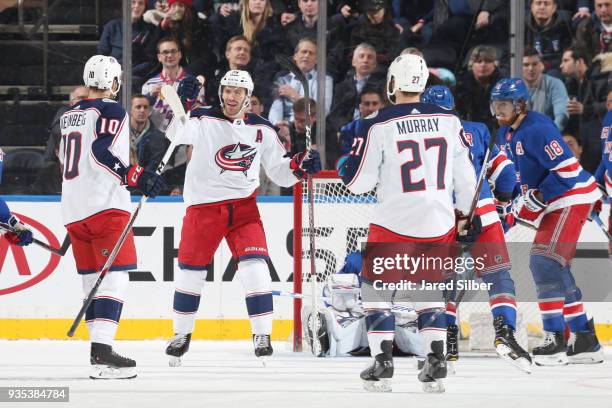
(289, 64)
(172, 99)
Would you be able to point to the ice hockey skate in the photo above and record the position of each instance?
(508, 348)
(434, 369)
(377, 376)
(106, 364)
(553, 351)
(177, 346)
(584, 348)
(263, 347)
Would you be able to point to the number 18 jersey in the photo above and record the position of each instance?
(94, 152)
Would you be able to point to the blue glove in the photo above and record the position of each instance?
(188, 90)
(468, 233)
(22, 235)
(302, 165)
(341, 164)
(147, 181)
(352, 263)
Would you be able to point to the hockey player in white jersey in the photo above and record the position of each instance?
(229, 146)
(96, 205)
(415, 156)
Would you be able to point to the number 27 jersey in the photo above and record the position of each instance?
(94, 152)
(416, 156)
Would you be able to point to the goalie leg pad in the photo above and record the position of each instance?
(502, 298)
(104, 313)
(380, 324)
(255, 277)
(187, 296)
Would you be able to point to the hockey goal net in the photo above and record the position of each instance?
(341, 221)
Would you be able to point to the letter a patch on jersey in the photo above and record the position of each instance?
(259, 136)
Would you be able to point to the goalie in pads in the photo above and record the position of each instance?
(343, 329)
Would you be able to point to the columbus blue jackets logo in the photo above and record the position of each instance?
(236, 157)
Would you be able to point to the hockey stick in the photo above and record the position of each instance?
(173, 100)
(290, 65)
(56, 251)
(283, 293)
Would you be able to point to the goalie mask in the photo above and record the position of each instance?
(101, 71)
(407, 73)
(239, 79)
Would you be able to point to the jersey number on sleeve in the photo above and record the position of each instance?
(72, 144)
(416, 162)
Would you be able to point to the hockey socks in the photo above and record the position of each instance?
(380, 324)
(186, 299)
(104, 313)
(557, 290)
(255, 277)
(502, 299)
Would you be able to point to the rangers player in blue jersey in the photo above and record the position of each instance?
(556, 196)
(22, 235)
(603, 174)
(490, 245)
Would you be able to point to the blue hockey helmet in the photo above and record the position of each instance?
(439, 95)
(510, 89)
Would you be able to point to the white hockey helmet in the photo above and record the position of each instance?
(101, 71)
(407, 73)
(240, 79)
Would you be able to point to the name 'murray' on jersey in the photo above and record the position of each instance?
(417, 125)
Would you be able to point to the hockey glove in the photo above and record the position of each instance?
(188, 90)
(22, 235)
(303, 163)
(352, 263)
(467, 233)
(147, 181)
(341, 164)
(504, 210)
(528, 208)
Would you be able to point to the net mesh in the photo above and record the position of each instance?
(341, 221)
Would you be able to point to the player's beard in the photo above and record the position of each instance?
(507, 121)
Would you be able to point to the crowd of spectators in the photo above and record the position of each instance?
(566, 65)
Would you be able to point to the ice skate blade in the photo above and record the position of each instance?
(382, 385)
(104, 372)
(593, 357)
(521, 362)
(175, 361)
(434, 387)
(558, 359)
(263, 360)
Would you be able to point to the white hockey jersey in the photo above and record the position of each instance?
(94, 152)
(417, 158)
(227, 155)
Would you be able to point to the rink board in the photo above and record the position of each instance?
(40, 294)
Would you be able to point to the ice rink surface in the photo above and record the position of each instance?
(226, 374)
